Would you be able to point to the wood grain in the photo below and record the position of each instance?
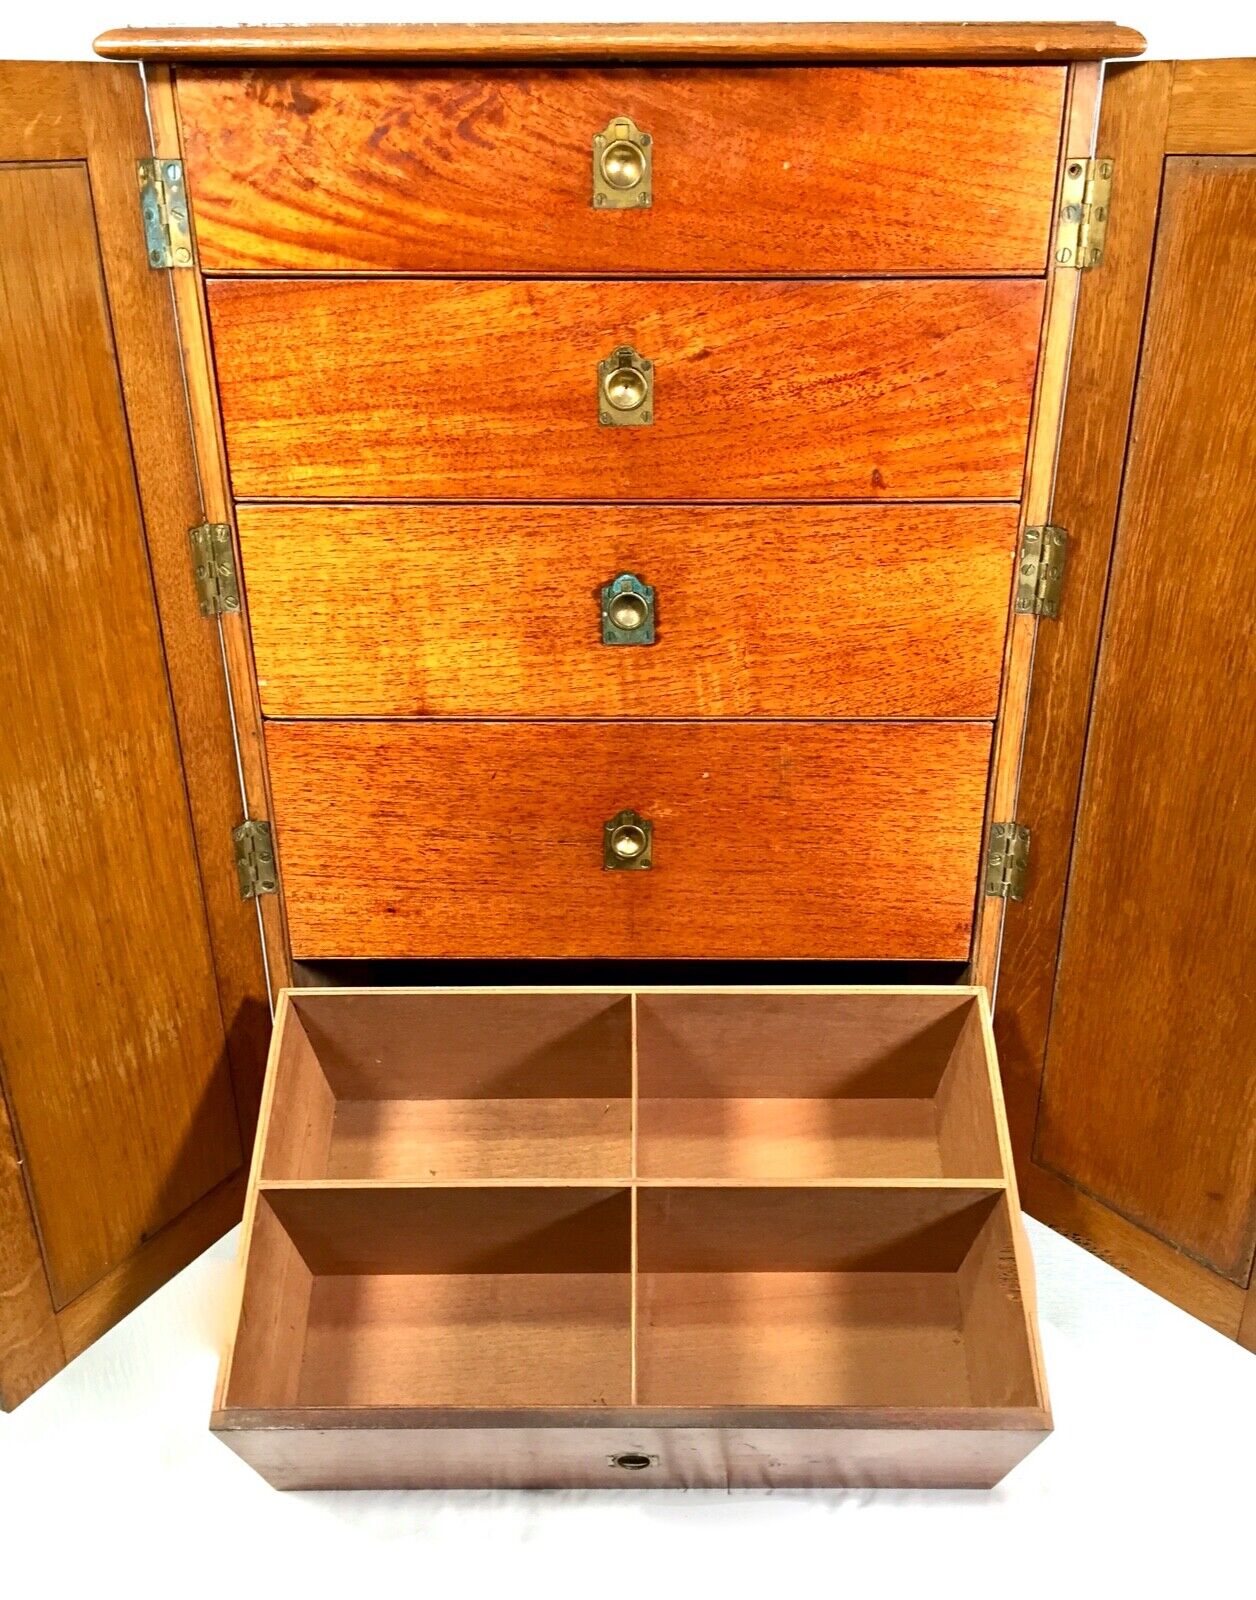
(1086, 497)
(111, 1033)
(1212, 108)
(1147, 1101)
(451, 390)
(486, 839)
(487, 169)
(31, 1350)
(76, 111)
(814, 41)
(869, 611)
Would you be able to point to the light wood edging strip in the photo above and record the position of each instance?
(680, 42)
(281, 1029)
(1044, 443)
(216, 505)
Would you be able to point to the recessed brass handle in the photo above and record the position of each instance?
(627, 843)
(627, 611)
(625, 389)
(623, 160)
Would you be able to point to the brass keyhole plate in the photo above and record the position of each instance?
(623, 167)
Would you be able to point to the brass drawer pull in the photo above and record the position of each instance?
(627, 611)
(625, 389)
(622, 166)
(627, 843)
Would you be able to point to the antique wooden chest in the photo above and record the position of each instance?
(624, 461)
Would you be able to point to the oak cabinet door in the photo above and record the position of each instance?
(132, 1004)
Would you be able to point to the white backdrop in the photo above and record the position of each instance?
(64, 29)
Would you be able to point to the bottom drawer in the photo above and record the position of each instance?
(517, 1328)
(833, 840)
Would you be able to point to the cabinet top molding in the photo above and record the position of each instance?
(679, 42)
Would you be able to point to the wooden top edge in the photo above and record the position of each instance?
(672, 42)
(330, 1419)
(965, 991)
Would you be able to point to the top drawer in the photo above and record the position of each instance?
(773, 170)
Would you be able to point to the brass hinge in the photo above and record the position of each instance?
(1085, 197)
(1007, 860)
(214, 569)
(1043, 556)
(164, 208)
(255, 859)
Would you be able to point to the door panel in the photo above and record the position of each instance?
(1149, 1096)
(133, 1005)
(109, 1022)
(1124, 1015)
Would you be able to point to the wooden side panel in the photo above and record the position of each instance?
(488, 169)
(870, 611)
(447, 839)
(1148, 1100)
(455, 390)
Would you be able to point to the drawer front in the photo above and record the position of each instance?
(838, 840)
(422, 389)
(473, 610)
(825, 170)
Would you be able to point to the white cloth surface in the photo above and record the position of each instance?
(110, 1483)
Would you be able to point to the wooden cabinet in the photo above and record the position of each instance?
(838, 318)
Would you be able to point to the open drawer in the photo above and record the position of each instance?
(672, 1237)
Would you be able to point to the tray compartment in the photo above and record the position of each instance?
(776, 1088)
(443, 1087)
(877, 1297)
(436, 1297)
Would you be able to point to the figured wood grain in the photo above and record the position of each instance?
(110, 1028)
(822, 41)
(445, 839)
(1148, 1099)
(487, 169)
(869, 611)
(763, 390)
